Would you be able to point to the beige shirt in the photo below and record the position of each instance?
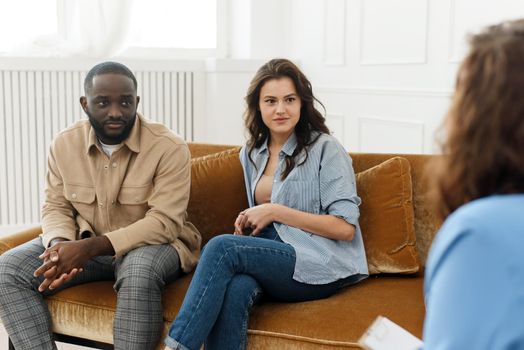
(138, 196)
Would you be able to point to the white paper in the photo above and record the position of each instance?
(383, 334)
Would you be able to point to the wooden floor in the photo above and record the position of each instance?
(61, 346)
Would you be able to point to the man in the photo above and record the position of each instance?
(117, 189)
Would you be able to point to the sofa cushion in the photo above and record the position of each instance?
(333, 323)
(386, 217)
(338, 322)
(217, 194)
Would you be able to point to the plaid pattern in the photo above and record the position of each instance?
(140, 278)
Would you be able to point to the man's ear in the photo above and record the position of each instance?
(137, 100)
(83, 103)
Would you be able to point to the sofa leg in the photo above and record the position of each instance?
(11, 346)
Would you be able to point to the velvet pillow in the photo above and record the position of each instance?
(387, 217)
(218, 193)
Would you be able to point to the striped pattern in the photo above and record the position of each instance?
(324, 184)
(35, 104)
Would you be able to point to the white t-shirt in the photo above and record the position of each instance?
(108, 149)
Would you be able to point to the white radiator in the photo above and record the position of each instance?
(35, 104)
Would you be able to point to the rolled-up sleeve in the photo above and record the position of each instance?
(338, 190)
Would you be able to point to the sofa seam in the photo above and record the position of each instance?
(410, 242)
(301, 338)
(69, 301)
(228, 153)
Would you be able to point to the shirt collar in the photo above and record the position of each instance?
(261, 149)
(91, 139)
(132, 142)
(288, 148)
(290, 145)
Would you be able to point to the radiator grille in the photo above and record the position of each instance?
(36, 104)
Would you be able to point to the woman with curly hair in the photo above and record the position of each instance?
(299, 239)
(475, 272)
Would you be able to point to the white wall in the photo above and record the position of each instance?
(226, 85)
(384, 69)
(258, 30)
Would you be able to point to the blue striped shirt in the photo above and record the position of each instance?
(324, 184)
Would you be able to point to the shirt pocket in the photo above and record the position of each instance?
(302, 195)
(133, 202)
(82, 197)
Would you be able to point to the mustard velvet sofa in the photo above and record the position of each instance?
(83, 314)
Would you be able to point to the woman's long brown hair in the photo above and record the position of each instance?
(310, 118)
(484, 150)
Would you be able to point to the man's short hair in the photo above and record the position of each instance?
(107, 68)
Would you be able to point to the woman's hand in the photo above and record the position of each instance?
(329, 226)
(255, 218)
(238, 227)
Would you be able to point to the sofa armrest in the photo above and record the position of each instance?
(18, 238)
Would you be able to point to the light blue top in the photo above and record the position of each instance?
(474, 283)
(324, 184)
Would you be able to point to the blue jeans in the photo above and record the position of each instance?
(230, 278)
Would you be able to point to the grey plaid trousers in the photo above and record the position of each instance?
(140, 278)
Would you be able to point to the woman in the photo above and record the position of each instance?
(475, 273)
(299, 239)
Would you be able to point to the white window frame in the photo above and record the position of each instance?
(221, 50)
(60, 28)
(64, 16)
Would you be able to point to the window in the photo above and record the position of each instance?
(23, 20)
(101, 28)
(177, 29)
(174, 24)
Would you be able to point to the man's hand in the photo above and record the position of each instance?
(62, 261)
(255, 218)
(49, 266)
(65, 259)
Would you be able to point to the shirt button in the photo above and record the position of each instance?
(114, 164)
(113, 202)
(73, 195)
(106, 166)
(100, 204)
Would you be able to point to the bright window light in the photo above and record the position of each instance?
(174, 24)
(23, 20)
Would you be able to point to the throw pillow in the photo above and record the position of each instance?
(387, 217)
(217, 194)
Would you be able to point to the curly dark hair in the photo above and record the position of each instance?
(310, 118)
(484, 150)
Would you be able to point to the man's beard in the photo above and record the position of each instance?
(102, 135)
